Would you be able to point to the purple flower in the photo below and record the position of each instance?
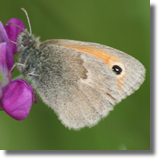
(16, 97)
(13, 31)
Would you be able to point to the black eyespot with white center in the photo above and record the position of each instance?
(117, 69)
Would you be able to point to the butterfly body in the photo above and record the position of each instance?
(80, 81)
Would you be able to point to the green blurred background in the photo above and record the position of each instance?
(121, 24)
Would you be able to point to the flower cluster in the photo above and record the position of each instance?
(16, 97)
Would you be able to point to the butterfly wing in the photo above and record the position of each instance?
(78, 81)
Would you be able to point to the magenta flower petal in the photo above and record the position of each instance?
(34, 100)
(4, 80)
(4, 38)
(17, 99)
(31, 89)
(13, 32)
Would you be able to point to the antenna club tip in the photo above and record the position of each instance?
(23, 9)
(27, 19)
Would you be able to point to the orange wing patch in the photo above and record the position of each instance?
(99, 53)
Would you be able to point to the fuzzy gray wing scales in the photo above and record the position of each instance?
(74, 85)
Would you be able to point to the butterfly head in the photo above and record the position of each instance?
(26, 40)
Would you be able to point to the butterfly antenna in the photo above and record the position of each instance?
(14, 25)
(27, 19)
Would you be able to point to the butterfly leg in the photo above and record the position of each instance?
(16, 64)
(32, 74)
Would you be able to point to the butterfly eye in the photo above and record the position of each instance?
(117, 69)
(25, 42)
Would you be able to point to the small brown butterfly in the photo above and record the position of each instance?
(80, 81)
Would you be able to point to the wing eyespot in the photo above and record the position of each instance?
(117, 69)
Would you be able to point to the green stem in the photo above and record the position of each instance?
(20, 76)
